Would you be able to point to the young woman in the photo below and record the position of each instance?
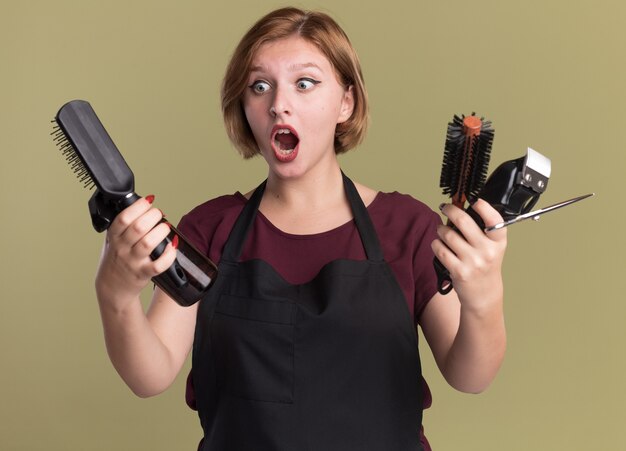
(307, 340)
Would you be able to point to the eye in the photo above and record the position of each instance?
(305, 84)
(259, 86)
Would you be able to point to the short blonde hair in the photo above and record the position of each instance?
(322, 31)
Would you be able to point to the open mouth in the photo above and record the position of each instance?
(285, 143)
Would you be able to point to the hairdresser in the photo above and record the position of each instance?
(308, 338)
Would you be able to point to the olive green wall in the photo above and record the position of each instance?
(549, 74)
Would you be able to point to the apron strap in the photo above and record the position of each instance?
(239, 232)
(364, 225)
(369, 238)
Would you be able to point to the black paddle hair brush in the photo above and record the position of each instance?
(464, 171)
(96, 161)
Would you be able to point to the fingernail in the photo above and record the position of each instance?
(442, 205)
(175, 242)
(150, 198)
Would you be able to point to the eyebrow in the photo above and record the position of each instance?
(295, 67)
(292, 68)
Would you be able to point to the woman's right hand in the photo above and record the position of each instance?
(125, 264)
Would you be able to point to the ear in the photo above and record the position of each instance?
(347, 105)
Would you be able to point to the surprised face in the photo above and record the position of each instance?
(293, 104)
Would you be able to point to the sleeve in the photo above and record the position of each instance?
(200, 226)
(190, 230)
(423, 269)
(208, 225)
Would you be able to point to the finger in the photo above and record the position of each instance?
(465, 224)
(127, 216)
(453, 240)
(141, 226)
(490, 217)
(468, 227)
(148, 242)
(164, 261)
(445, 255)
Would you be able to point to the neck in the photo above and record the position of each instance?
(315, 189)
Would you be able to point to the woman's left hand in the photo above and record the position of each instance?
(473, 257)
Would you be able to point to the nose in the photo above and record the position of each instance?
(281, 104)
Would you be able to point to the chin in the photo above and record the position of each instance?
(287, 171)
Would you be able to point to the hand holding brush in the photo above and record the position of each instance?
(138, 233)
(464, 171)
(466, 256)
(513, 189)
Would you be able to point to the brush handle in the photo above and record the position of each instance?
(190, 276)
(175, 277)
(444, 281)
(192, 273)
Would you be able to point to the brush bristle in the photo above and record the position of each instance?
(453, 152)
(480, 163)
(71, 156)
(465, 159)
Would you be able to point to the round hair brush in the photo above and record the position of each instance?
(464, 170)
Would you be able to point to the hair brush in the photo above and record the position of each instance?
(464, 170)
(96, 161)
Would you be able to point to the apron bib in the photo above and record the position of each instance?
(329, 365)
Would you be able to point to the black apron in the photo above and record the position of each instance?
(329, 365)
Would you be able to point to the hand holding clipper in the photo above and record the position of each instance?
(513, 189)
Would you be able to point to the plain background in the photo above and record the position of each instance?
(549, 74)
